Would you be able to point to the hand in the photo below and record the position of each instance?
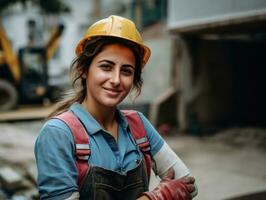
(172, 189)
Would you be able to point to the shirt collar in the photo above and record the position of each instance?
(122, 120)
(90, 123)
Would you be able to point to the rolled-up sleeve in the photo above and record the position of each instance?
(54, 153)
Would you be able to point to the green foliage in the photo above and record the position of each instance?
(53, 6)
(46, 6)
(5, 3)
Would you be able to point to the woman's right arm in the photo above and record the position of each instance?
(54, 152)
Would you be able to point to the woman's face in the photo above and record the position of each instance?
(110, 76)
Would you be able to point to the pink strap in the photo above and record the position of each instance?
(139, 133)
(81, 140)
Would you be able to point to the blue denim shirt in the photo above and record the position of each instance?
(55, 151)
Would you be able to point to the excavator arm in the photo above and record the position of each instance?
(54, 41)
(7, 56)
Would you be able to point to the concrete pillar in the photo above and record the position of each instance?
(186, 90)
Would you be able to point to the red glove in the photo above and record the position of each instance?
(172, 189)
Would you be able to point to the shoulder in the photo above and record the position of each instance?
(146, 122)
(127, 113)
(143, 117)
(56, 130)
(54, 139)
(55, 125)
(133, 115)
(155, 140)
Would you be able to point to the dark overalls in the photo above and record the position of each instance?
(103, 184)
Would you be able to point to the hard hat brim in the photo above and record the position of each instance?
(146, 50)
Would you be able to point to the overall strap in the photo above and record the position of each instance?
(81, 140)
(140, 135)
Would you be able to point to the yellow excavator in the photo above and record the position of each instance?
(24, 76)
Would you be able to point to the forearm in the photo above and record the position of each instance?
(166, 158)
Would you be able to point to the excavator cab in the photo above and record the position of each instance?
(34, 80)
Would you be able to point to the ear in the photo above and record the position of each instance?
(82, 73)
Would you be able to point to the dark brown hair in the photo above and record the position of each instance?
(81, 64)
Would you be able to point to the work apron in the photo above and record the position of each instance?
(103, 184)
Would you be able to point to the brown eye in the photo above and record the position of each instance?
(106, 67)
(127, 71)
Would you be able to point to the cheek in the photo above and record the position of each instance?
(97, 77)
(128, 84)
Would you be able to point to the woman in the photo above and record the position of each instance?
(109, 62)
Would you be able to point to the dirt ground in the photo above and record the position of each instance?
(223, 169)
(228, 164)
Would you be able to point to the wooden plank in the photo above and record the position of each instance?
(27, 113)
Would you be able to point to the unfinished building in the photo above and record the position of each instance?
(219, 63)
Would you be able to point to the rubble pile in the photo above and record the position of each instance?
(18, 173)
(243, 137)
(18, 184)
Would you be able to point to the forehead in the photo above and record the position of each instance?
(116, 51)
(116, 47)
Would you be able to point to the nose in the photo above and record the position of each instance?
(115, 78)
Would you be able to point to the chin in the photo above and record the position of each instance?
(111, 103)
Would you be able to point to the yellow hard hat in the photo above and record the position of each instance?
(115, 26)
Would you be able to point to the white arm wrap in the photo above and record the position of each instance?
(166, 158)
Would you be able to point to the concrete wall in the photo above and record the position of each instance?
(157, 72)
(203, 81)
(188, 13)
(220, 83)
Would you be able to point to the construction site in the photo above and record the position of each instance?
(203, 89)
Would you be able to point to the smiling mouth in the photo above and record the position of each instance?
(112, 91)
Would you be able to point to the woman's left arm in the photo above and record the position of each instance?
(163, 155)
(165, 159)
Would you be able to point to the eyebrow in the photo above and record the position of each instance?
(108, 61)
(112, 63)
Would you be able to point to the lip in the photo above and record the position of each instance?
(112, 92)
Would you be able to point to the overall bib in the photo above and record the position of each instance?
(103, 184)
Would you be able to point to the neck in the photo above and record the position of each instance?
(105, 116)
